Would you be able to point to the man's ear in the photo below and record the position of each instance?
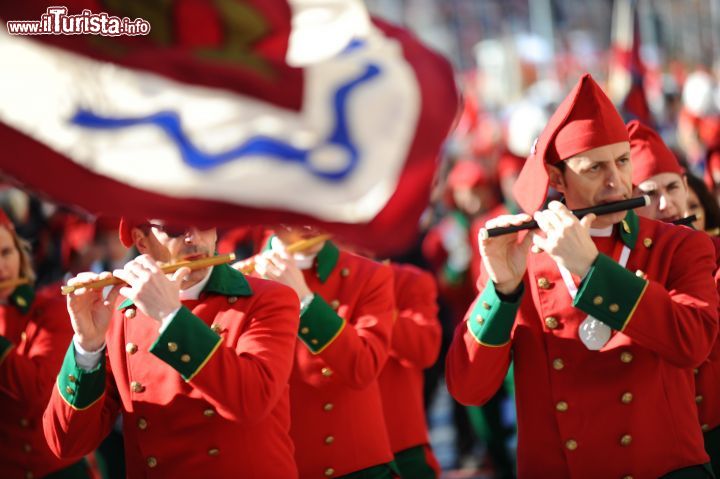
(140, 240)
(556, 178)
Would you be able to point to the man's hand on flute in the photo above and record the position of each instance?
(89, 313)
(504, 258)
(155, 293)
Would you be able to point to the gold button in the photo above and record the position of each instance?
(626, 357)
(314, 341)
(172, 347)
(130, 313)
(185, 358)
(326, 372)
(626, 398)
(232, 299)
(24, 422)
(209, 412)
(344, 272)
(698, 398)
(627, 477)
(614, 308)
(543, 283)
(21, 301)
(329, 440)
(214, 451)
(142, 424)
(23, 336)
(705, 428)
(335, 304)
(597, 300)
(304, 330)
(696, 371)
(151, 461)
(626, 440)
(647, 242)
(328, 406)
(329, 471)
(69, 390)
(640, 274)
(27, 447)
(571, 444)
(136, 387)
(216, 328)
(131, 348)
(71, 378)
(561, 406)
(558, 364)
(485, 305)
(551, 322)
(626, 226)
(479, 319)
(29, 475)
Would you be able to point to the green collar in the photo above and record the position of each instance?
(326, 260)
(460, 217)
(629, 229)
(23, 297)
(224, 280)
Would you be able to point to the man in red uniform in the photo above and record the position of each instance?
(657, 173)
(198, 364)
(604, 323)
(32, 324)
(346, 323)
(415, 346)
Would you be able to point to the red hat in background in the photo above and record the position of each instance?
(467, 174)
(649, 154)
(125, 230)
(509, 164)
(5, 220)
(585, 119)
(709, 132)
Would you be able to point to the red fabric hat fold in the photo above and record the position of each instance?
(585, 119)
(649, 154)
(468, 174)
(5, 220)
(125, 230)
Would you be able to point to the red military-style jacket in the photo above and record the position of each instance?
(208, 397)
(34, 330)
(415, 346)
(627, 410)
(337, 416)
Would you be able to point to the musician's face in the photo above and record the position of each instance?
(668, 194)
(9, 261)
(292, 234)
(594, 177)
(171, 246)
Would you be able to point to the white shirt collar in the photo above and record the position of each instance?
(601, 232)
(193, 292)
(302, 260)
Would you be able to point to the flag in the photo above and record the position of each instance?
(626, 79)
(227, 113)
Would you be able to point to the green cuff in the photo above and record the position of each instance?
(187, 344)
(610, 293)
(491, 319)
(5, 347)
(78, 387)
(319, 325)
(452, 276)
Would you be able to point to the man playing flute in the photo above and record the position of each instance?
(604, 321)
(197, 363)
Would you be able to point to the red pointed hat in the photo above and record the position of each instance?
(649, 154)
(125, 230)
(585, 119)
(467, 173)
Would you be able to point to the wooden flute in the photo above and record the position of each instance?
(167, 269)
(599, 210)
(248, 266)
(13, 283)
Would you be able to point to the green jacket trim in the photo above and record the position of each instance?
(629, 229)
(319, 325)
(326, 260)
(491, 319)
(5, 346)
(223, 280)
(79, 388)
(23, 297)
(610, 293)
(187, 344)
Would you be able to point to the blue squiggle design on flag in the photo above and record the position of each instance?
(169, 122)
